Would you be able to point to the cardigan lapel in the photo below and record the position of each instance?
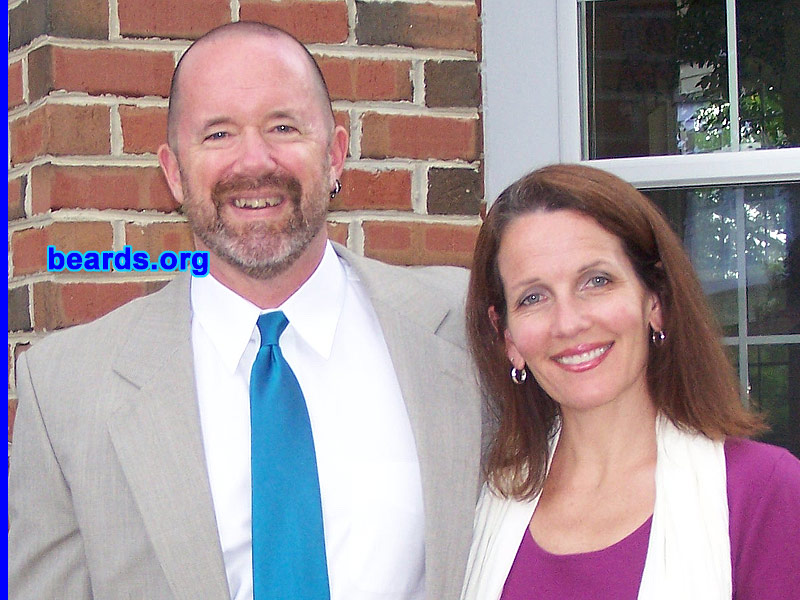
(158, 440)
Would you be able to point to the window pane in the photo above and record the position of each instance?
(655, 76)
(775, 390)
(631, 77)
(773, 259)
(714, 223)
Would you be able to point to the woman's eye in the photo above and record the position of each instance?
(531, 299)
(598, 280)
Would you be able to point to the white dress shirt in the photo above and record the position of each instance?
(366, 457)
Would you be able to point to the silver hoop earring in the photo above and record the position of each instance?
(658, 337)
(337, 187)
(519, 376)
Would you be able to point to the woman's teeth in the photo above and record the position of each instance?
(576, 359)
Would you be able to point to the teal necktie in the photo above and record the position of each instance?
(288, 539)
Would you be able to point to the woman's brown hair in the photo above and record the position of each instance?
(689, 377)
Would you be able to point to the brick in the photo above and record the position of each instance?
(16, 198)
(363, 79)
(77, 19)
(130, 73)
(307, 20)
(420, 243)
(158, 237)
(417, 25)
(12, 415)
(389, 241)
(15, 95)
(380, 190)
(171, 18)
(19, 318)
(452, 83)
(454, 191)
(26, 22)
(29, 246)
(450, 244)
(14, 352)
(419, 137)
(133, 188)
(338, 232)
(59, 305)
(143, 129)
(342, 117)
(61, 129)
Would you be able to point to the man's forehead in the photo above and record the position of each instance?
(236, 52)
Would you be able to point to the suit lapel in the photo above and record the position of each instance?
(444, 424)
(158, 440)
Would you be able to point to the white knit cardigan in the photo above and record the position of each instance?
(688, 555)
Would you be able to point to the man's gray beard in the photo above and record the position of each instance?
(259, 250)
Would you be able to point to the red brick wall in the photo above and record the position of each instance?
(87, 99)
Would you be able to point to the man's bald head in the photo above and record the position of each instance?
(243, 29)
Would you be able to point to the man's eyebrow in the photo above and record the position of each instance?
(214, 121)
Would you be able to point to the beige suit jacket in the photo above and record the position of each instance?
(108, 489)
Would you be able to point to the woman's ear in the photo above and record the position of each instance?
(514, 356)
(656, 319)
(495, 320)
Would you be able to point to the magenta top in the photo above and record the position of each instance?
(764, 503)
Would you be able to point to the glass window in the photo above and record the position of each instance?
(754, 294)
(658, 75)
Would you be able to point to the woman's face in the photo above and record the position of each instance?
(578, 315)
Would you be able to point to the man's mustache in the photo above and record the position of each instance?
(243, 183)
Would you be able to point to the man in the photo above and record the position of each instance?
(130, 473)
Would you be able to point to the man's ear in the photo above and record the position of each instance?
(338, 152)
(171, 170)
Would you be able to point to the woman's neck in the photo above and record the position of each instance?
(605, 442)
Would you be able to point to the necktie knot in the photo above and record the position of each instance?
(271, 326)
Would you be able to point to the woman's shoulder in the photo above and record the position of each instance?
(764, 503)
(756, 464)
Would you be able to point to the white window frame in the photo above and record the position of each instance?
(532, 109)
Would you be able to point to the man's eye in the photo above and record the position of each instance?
(217, 135)
(285, 129)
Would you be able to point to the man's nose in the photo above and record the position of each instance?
(255, 154)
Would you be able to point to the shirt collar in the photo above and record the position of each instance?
(313, 311)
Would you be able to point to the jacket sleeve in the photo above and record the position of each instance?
(46, 557)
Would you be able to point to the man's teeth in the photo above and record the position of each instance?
(576, 359)
(256, 202)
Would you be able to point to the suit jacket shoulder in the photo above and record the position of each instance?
(433, 296)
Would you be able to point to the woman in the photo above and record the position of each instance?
(619, 467)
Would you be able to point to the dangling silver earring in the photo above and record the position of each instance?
(519, 376)
(658, 337)
(337, 187)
